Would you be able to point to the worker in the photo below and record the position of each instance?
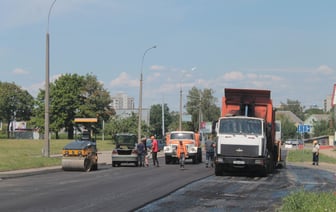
(155, 149)
(209, 151)
(146, 153)
(141, 153)
(316, 148)
(181, 154)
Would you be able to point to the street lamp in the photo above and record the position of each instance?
(46, 150)
(180, 120)
(140, 94)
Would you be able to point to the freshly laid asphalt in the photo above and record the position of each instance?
(105, 158)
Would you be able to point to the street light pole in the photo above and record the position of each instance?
(140, 94)
(46, 150)
(180, 120)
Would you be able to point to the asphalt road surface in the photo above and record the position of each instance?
(108, 189)
(164, 188)
(244, 193)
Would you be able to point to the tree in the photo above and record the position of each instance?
(288, 128)
(15, 104)
(73, 96)
(295, 107)
(125, 125)
(202, 106)
(155, 121)
(322, 128)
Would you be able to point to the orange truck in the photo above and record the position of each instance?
(190, 139)
(245, 133)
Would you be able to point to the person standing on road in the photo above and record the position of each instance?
(145, 158)
(316, 148)
(209, 151)
(141, 153)
(181, 154)
(155, 149)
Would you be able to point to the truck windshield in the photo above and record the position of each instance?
(240, 125)
(182, 136)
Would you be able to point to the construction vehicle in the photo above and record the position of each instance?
(190, 139)
(245, 131)
(81, 154)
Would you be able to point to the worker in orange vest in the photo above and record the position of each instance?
(181, 154)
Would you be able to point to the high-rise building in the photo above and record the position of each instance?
(327, 104)
(122, 101)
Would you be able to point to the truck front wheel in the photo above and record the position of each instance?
(168, 159)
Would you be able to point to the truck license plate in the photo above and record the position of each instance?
(239, 162)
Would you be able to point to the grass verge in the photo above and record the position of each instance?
(306, 201)
(306, 156)
(23, 154)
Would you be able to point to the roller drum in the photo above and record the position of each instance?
(76, 164)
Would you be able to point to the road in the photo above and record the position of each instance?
(244, 193)
(108, 189)
(159, 189)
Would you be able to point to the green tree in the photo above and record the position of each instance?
(294, 106)
(202, 106)
(155, 121)
(74, 96)
(129, 124)
(15, 104)
(322, 127)
(312, 111)
(288, 128)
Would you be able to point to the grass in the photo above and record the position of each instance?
(305, 201)
(21, 154)
(306, 156)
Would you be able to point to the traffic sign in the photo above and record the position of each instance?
(303, 128)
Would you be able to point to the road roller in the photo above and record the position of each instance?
(80, 155)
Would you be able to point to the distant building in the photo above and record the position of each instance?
(122, 101)
(327, 104)
(124, 107)
(125, 113)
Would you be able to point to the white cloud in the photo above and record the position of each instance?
(234, 75)
(124, 80)
(20, 71)
(158, 68)
(324, 69)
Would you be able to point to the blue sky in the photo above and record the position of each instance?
(288, 47)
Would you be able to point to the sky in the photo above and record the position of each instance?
(288, 47)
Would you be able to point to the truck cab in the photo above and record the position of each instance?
(189, 139)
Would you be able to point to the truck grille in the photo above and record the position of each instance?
(239, 150)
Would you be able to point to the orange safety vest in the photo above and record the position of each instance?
(181, 149)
